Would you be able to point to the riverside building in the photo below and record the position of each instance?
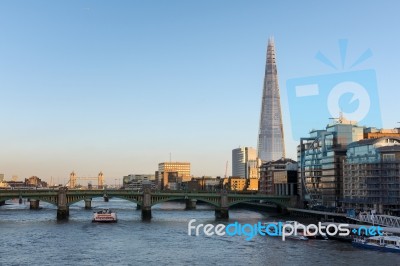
(372, 175)
(320, 157)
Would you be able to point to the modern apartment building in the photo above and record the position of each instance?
(372, 175)
(320, 157)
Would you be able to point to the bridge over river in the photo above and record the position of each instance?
(64, 197)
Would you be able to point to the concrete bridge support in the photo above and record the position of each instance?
(34, 204)
(62, 205)
(20, 200)
(3, 202)
(105, 197)
(190, 204)
(222, 212)
(138, 207)
(281, 209)
(88, 204)
(146, 206)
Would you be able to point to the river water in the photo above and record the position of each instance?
(35, 237)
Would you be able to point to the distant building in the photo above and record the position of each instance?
(4, 184)
(74, 180)
(244, 162)
(34, 181)
(271, 145)
(138, 181)
(279, 177)
(372, 175)
(372, 133)
(16, 184)
(204, 183)
(1, 177)
(170, 175)
(235, 183)
(100, 180)
(253, 184)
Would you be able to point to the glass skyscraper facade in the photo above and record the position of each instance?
(244, 162)
(320, 157)
(271, 144)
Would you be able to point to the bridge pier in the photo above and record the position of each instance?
(146, 214)
(88, 204)
(20, 200)
(62, 205)
(281, 210)
(190, 204)
(106, 199)
(138, 207)
(221, 213)
(3, 202)
(34, 204)
(146, 206)
(62, 213)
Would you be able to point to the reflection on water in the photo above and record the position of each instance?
(36, 237)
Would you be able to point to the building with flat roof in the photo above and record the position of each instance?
(371, 178)
(235, 183)
(373, 133)
(244, 162)
(279, 177)
(35, 181)
(170, 175)
(320, 157)
(138, 181)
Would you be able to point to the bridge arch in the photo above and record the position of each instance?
(80, 198)
(184, 197)
(280, 204)
(49, 199)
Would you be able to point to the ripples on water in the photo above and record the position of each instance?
(35, 237)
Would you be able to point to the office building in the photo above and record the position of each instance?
(170, 175)
(244, 162)
(279, 177)
(138, 181)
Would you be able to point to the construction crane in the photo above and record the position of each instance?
(226, 169)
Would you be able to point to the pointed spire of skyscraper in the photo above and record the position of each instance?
(271, 144)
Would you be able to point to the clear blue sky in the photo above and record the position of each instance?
(118, 85)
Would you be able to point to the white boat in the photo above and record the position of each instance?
(105, 216)
(382, 243)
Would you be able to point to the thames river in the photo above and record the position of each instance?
(35, 237)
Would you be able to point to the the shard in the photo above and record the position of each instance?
(271, 145)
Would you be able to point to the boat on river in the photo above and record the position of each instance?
(387, 243)
(104, 216)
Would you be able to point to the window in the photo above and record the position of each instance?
(389, 157)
